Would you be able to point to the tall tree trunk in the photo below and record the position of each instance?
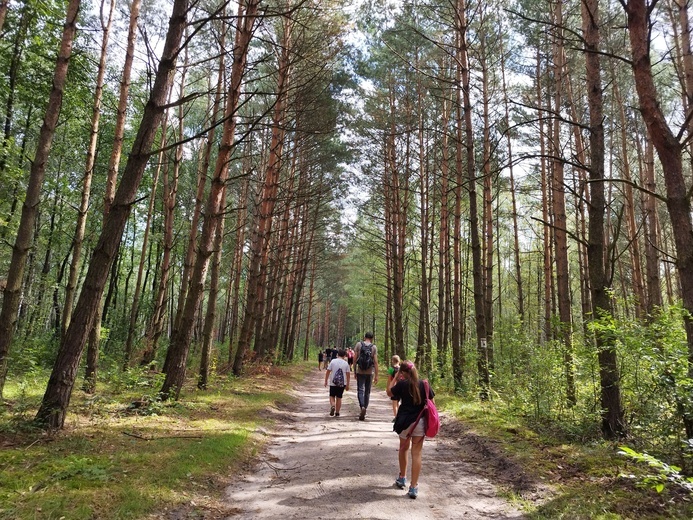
(444, 244)
(669, 150)
(214, 209)
(309, 315)
(25, 233)
(109, 194)
(546, 325)
(26, 19)
(613, 424)
(470, 168)
(560, 234)
(513, 197)
(487, 212)
(424, 336)
(80, 228)
(211, 314)
(257, 269)
(36, 306)
(652, 246)
(631, 225)
(56, 399)
(170, 189)
(4, 4)
(456, 333)
(238, 264)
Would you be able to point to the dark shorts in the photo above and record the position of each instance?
(336, 391)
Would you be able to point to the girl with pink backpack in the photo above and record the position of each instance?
(416, 418)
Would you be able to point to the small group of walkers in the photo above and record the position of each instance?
(330, 353)
(406, 391)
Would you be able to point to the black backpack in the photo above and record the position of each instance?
(365, 360)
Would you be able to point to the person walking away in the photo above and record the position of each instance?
(411, 394)
(350, 358)
(338, 377)
(334, 353)
(366, 369)
(392, 378)
(321, 359)
(328, 356)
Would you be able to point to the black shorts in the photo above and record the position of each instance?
(336, 391)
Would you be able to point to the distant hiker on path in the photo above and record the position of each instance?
(328, 356)
(338, 377)
(392, 377)
(411, 393)
(321, 359)
(366, 369)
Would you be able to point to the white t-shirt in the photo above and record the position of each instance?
(334, 365)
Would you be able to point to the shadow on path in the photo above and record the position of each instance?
(322, 467)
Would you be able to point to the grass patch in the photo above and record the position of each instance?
(123, 455)
(553, 478)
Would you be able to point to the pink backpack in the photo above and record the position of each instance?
(431, 414)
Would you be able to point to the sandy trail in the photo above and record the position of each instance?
(322, 467)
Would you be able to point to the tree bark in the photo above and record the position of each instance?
(4, 4)
(669, 150)
(80, 228)
(560, 235)
(513, 197)
(443, 318)
(257, 269)
(470, 169)
(26, 231)
(214, 209)
(652, 246)
(56, 399)
(613, 423)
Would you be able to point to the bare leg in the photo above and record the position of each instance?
(339, 405)
(416, 445)
(403, 452)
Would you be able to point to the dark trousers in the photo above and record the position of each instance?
(363, 386)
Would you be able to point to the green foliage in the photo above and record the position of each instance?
(665, 473)
(550, 477)
(138, 379)
(183, 453)
(34, 353)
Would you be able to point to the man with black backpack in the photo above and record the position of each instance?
(366, 369)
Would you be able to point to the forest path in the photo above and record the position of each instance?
(322, 467)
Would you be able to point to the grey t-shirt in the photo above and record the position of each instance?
(357, 352)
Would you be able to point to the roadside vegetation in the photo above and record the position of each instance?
(124, 454)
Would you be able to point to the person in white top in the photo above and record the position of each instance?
(338, 377)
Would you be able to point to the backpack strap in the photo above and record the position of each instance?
(418, 417)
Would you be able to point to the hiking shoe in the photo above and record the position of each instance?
(331, 411)
(362, 415)
(413, 492)
(401, 482)
(336, 414)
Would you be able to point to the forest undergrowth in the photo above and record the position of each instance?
(126, 455)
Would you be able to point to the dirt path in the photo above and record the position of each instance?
(322, 467)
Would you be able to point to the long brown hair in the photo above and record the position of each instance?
(408, 368)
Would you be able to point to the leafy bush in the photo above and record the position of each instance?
(665, 473)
